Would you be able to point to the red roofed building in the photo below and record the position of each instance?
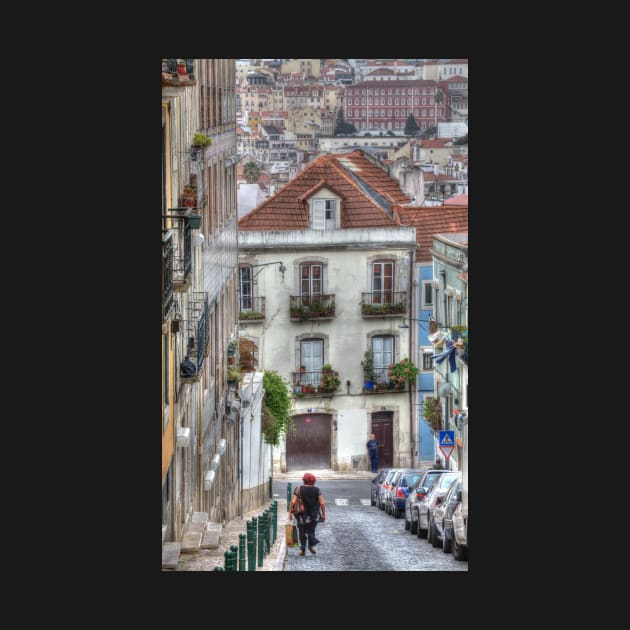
(326, 276)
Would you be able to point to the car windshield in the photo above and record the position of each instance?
(411, 480)
(446, 481)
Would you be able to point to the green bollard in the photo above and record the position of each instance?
(234, 550)
(274, 513)
(227, 562)
(288, 495)
(268, 530)
(218, 568)
(241, 552)
(261, 544)
(251, 555)
(254, 537)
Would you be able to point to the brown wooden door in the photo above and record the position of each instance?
(382, 423)
(310, 446)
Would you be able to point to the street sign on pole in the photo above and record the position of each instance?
(447, 443)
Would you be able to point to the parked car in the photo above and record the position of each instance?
(441, 519)
(376, 482)
(381, 489)
(414, 497)
(384, 488)
(400, 489)
(459, 542)
(433, 497)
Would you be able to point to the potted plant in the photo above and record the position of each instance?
(201, 140)
(368, 369)
(403, 371)
(326, 368)
(233, 374)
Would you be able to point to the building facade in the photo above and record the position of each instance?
(200, 438)
(326, 278)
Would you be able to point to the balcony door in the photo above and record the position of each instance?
(312, 358)
(383, 352)
(310, 283)
(382, 282)
(245, 286)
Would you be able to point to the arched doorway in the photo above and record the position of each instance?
(310, 446)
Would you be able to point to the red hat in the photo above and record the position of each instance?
(309, 478)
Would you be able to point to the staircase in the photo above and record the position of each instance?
(198, 534)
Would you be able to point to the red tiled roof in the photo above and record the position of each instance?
(430, 220)
(435, 143)
(397, 84)
(457, 77)
(457, 200)
(431, 177)
(288, 208)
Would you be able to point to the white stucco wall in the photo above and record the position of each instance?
(347, 255)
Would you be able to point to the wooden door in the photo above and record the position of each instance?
(382, 427)
(309, 448)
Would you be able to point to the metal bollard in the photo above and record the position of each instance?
(275, 522)
(227, 563)
(251, 555)
(241, 552)
(254, 536)
(261, 544)
(234, 550)
(268, 530)
(288, 495)
(218, 568)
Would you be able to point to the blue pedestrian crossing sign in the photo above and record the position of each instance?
(447, 443)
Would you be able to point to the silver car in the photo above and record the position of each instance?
(434, 496)
(416, 494)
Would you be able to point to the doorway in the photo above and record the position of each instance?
(310, 446)
(382, 427)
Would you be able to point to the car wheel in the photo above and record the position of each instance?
(446, 541)
(381, 505)
(459, 552)
(414, 526)
(435, 541)
(372, 501)
(407, 523)
(429, 532)
(395, 511)
(422, 533)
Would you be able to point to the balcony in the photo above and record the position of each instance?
(317, 383)
(303, 307)
(384, 304)
(197, 335)
(252, 309)
(182, 252)
(377, 381)
(178, 72)
(167, 274)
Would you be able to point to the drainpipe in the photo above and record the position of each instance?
(412, 311)
(446, 368)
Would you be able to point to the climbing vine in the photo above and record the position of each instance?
(276, 417)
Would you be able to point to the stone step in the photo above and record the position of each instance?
(191, 539)
(199, 517)
(170, 555)
(211, 536)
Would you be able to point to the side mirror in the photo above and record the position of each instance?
(439, 500)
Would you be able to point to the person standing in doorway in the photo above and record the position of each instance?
(373, 445)
(314, 504)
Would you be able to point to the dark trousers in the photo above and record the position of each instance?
(374, 461)
(307, 530)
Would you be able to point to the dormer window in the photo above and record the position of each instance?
(324, 214)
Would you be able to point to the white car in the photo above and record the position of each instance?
(459, 543)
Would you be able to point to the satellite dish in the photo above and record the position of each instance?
(445, 389)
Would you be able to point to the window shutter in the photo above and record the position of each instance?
(319, 214)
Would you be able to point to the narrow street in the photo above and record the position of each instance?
(359, 537)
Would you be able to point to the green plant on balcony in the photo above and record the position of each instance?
(383, 309)
(368, 369)
(330, 381)
(233, 374)
(251, 315)
(402, 371)
(432, 413)
(201, 140)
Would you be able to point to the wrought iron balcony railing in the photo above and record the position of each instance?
(384, 303)
(178, 72)
(197, 334)
(252, 309)
(182, 258)
(378, 380)
(315, 383)
(167, 273)
(320, 306)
